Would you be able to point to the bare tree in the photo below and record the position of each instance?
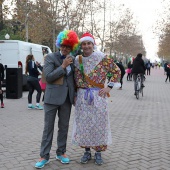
(122, 33)
(52, 16)
(1, 15)
(5, 12)
(162, 31)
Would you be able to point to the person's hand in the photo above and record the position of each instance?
(37, 63)
(75, 99)
(67, 61)
(103, 92)
(0, 91)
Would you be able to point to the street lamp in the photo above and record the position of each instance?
(26, 27)
(7, 37)
(120, 57)
(126, 57)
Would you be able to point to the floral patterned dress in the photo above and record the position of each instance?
(91, 127)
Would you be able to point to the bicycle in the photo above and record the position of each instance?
(139, 87)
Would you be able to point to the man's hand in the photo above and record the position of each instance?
(67, 61)
(37, 63)
(103, 92)
(75, 99)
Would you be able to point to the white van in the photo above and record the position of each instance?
(13, 54)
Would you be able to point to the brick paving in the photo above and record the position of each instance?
(140, 131)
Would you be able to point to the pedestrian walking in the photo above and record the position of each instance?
(129, 70)
(148, 67)
(165, 66)
(91, 127)
(1, 81)
(42, 80)
(122, 69)
(167, 72)
(159, 65)
(156, 64)
(59, 96)
(31, 70)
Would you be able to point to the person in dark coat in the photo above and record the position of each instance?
(122, 69)
(165, 67)
(148, 67)
(138, 68)
(167, 72)
(1, 80)
(31, 70)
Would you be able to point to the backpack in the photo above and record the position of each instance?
(148, 65)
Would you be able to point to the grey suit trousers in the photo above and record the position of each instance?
(63, 125)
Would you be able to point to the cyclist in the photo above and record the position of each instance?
(138, 68)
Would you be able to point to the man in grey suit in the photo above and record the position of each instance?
(59, 96)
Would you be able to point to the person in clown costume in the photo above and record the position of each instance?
(59, 96)
(91, 127)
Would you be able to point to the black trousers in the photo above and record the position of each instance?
(34, 85)
(129, 76)
(63, 111)
(1, 97)
(167, 76)
(148, 70)
(121, 80)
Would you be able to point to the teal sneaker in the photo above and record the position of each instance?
(39, 107)
(31, 107)
(63, 158)
(41, 163)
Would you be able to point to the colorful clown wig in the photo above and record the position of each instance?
(68, 38)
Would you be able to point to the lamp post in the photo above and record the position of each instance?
(7, 37)
(122, 58)
(126, 56)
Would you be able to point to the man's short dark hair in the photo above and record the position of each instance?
(139, 55)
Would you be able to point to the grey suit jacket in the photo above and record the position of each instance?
(55, 93)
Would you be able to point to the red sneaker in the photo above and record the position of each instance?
(2, 105)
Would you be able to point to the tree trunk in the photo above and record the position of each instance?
(1, 15)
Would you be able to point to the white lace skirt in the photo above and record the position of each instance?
(91, 125)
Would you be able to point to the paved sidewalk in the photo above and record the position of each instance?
(140, 131)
